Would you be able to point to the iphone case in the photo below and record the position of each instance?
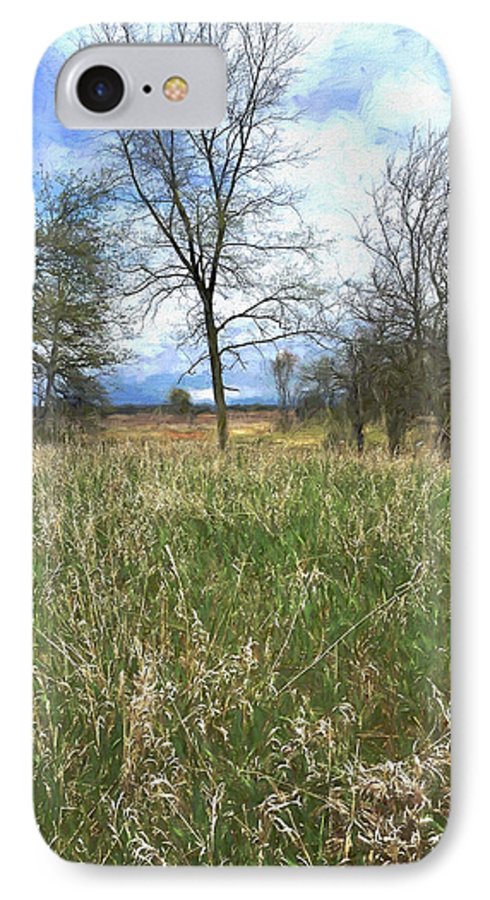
(241, 475)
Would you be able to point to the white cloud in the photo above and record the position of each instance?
(411, 98)
(202, 395)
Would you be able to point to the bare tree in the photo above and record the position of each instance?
(317, 376)
(220, 230)
(403, 303)
(352, 374)
(283, 368)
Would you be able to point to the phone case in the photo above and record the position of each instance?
(241, 460)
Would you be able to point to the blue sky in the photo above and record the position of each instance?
(361, 90)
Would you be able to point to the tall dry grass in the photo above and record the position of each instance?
(240, 659)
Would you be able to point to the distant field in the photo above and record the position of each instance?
(240, 658)
(167, 427)
(245, 426)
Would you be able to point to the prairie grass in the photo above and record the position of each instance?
(240, 659)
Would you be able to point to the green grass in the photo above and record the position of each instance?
(181, 600)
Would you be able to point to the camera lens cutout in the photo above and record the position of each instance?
(100, 89)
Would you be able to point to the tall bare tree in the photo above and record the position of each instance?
(226, 237)
(283, 370)
(403, 303)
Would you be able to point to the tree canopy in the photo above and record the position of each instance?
(76, 316)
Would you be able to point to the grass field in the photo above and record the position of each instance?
(240, 659)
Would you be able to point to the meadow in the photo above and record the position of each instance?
(240, 658)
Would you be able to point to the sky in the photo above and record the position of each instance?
(360, 92)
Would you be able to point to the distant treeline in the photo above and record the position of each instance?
(132, 409)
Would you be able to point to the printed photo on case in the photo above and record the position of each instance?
(241, 405)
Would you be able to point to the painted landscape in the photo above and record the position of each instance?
(241, 462)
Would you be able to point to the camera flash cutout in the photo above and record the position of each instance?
(175, 88)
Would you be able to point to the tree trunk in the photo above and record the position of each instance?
(283, 418)
(444, 439)
(217, 377)
(47, 412)
(360, 437)
(53, 359)
(396, 427)
(47, 394)
(222, 412)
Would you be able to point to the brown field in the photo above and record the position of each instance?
(200, 427)
(260, 426)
